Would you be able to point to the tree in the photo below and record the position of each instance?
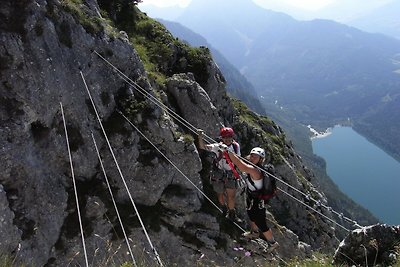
(118, 10)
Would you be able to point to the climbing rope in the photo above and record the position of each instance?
(176, 167)
(120, 173)
(258, 241)
(293, 197)
(155, 100)
(113, 201)
(209, 140)
(318, 203)
(320, 213)
(74, 184)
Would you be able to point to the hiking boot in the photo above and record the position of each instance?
(224, 211)
(251, 234)
(272, 246)
(231, 215)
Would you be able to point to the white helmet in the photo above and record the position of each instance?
(258, 151)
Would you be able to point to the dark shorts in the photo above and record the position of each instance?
(257, 212)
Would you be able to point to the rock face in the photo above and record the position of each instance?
(45, 50)
(194, 102)
(372, 245)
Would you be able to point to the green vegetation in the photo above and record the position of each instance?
(6, 262)
(266, 132)
(134, 107)
(187, 138)
(303, 181)
(91, 24)
(316, 260)
(161, 54)
(198, 59)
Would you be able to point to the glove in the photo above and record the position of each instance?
(200, 132)
(223, 147)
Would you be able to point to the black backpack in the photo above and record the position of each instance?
(269, 185)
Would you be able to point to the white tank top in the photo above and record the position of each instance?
(257, 183)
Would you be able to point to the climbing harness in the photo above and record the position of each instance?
(228, 160)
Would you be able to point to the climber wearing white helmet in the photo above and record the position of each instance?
(256, 209)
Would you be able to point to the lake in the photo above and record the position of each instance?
(362, 171)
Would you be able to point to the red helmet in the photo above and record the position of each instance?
(226, 132)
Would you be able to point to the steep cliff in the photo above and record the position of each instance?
(45, 44)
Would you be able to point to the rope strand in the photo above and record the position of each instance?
(113, 200)
(308, 206)
(74, 185)
(174, 165)
(120, 173)
(153, 99)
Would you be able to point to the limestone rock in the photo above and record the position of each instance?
(372, 245)
(9, 233)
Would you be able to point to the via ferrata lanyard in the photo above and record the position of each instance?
(228, 160)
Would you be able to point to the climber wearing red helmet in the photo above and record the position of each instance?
(226, 132)
(222, 176)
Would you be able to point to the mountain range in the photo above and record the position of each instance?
(384, 19)
(322, 72)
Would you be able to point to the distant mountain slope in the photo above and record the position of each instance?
(325, 73)
(231, 25)
(237, 84)
(322, 71)
(384, 20)
(325, 66)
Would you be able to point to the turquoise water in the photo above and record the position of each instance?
(362, 171)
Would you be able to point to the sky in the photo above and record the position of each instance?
(165, 3)
(339, 10)
(304, 4)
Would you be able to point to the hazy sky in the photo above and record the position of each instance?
(302, 4)
(165, 3)
(340, 10)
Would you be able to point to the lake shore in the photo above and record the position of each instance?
(316, 134)
(355, 164)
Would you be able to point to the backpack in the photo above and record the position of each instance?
(268, 189)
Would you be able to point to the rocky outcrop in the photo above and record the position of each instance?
(8, 231)
(310, 226)
(43, 52)
(194, 103)
(375, 245)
